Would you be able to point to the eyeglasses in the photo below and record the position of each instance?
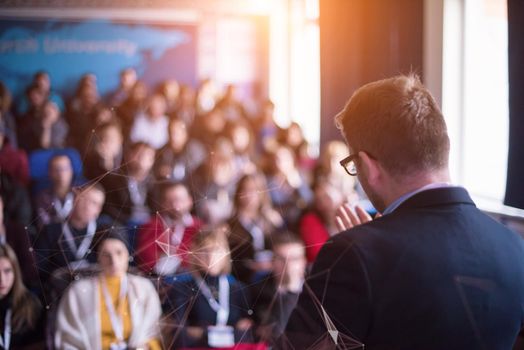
(348, 164)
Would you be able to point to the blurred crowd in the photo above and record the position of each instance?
(163, 217)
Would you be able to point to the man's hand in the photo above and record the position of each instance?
(347, 217)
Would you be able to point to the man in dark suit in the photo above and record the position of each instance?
(68, 244)
(433, 272)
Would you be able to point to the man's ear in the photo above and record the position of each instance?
(370, 167)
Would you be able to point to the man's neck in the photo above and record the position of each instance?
(61, 192)
(415, 182)
(77, 223)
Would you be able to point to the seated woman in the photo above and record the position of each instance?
(289, 191)
(317, 223)
(252, 223)
(210, 307)
(214, 184)
(104, 154)
(114, 310)
(19, 309)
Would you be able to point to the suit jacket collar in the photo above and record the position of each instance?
(437, 197)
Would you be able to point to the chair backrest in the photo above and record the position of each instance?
(38, 163)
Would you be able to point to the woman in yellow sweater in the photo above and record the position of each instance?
(114, 310)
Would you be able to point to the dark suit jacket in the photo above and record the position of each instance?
(118, 204)
(435, 274)
(52, 251)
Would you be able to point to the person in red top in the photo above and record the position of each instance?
(164, 241)
(318, 222)
(13, 161)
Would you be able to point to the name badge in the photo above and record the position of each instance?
(220, 336)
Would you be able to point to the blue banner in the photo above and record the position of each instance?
(66, 49)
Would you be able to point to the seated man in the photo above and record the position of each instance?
(53, 205)
(44, 129)
(68, 243)
(164, 241)
(277, 294)
(128, 189)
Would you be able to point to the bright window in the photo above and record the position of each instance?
(475, 93)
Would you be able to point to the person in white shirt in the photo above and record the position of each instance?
(152, 126)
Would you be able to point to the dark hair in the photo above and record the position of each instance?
(261, 184)
(26, 307)
(30, 88)
(285, 237)
(114, 123)
(162, 187)
(138, 145)
(89, 186)
(398, 122)
(105, 232)
(59, 154)
(5, 98)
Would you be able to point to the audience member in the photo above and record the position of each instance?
(68, 244)
(38, 92)
(181, 156)
(53, 205)
(112, 310)
(134, 104)
(103, 115)
(130, 187)
(242, 141)
(207, 96)
(105, 153)
(317, 223)
(6, 117)
(164, 242)
(209, 305)
(19, 238)
(277, 294)
(288, 189)
(42, 130)
(252, 223)
(43, 81)
(17, 203)
(171, 92)
(13, 162)
(209, 128)
(185, 109)
(152, 127)
(231, 106)
(21, 313)
(128, 78)
(266, 130)
(214, 184)
(293, 138)
(81, 112)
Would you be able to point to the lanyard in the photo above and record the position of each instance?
(256, 233)
(222, 306)
(63, 210)
(136, 192)
(116, 320)
(179, 171)
(5, 340)
(177, 229)
(81, 251)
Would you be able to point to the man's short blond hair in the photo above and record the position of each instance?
(398, 122)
